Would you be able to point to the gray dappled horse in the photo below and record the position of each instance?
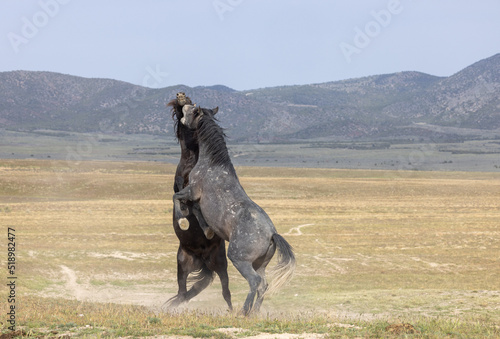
(231, 214)
(196, 253)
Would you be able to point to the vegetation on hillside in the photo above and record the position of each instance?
(376, 106)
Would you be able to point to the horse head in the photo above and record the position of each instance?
(177, 104)
(192, 115)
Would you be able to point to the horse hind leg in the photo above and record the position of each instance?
(219, 264)
(186, 263)
(226, 293)
(247, 269)
(261, 271)
(254, 281)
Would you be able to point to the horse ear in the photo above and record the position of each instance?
(215, 110)
(199, 110)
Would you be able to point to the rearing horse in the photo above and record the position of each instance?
(231, 214)
(196, 253)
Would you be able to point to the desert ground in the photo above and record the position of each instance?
(96, 252)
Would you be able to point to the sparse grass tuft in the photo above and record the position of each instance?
(45, 316)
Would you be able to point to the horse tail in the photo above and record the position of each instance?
(283, 271)
(200, 279)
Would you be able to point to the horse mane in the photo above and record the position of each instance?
(176, 109)
(212, 136)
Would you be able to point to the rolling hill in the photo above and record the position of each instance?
(399, 105)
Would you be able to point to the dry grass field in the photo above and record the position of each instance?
(96, 253)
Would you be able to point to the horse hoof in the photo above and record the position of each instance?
(242, 313)
(184, 224)
(209, 234)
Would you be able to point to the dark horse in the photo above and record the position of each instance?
(231, 214)
(196, 253)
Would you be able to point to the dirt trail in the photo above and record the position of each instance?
(71, 285)
(296, 230)
(83, 291)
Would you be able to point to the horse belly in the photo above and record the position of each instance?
(218, 211)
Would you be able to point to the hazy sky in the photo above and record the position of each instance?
(245, 44)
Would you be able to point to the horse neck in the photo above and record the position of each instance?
(212, 144)
(187, 140)
(189, 149)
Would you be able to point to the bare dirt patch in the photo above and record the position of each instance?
(240, 333)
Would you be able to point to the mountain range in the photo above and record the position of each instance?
(398, 105)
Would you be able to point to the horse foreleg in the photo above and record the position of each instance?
(178, 184)
(209, 233)
(184, 194)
